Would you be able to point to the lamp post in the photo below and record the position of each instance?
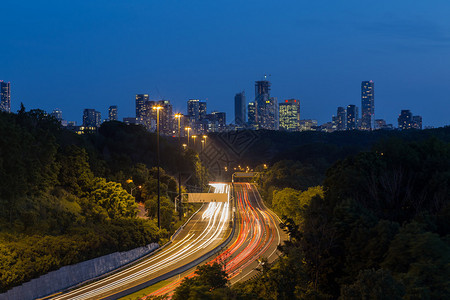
(194, 137)
(132, 189)
(158, 108)
(188, 129)
(203, 145)
(178, 116)
(204, 137)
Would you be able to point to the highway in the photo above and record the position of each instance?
(204, 232)
(257, 236)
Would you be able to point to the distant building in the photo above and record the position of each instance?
(202, 110)
(367, 105)
(197, 113)
(289, 115)
(341, 118)
(307, 125)
(239, 109)
(214, 122)
(91, 118)
(130, 121)
(193, 109)
(417, 122)
(252, 115)
(112, 113)
(405, 119)
(5, 96)
(266, 107)
(141, 108)
(57, 114)
(165, 117)
(327, 127)
(352, 117)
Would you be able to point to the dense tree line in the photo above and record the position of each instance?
(378, 227)
(65, 198)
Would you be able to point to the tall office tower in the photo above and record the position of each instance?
(201, 110)
(367, 105)
(196, 113)
(405, 119)
(289, 112)
(141, 108)
(239, 109)
(91, 118)
(252, 115)
(417, 122)
(263, 104)
(165, 117)
(193, 109)
(5, 96)
(57, 114)
(352, 117)
(341, 118)
(112, 113)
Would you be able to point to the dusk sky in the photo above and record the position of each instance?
(93, 54)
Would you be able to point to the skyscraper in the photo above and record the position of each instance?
(91, 118)
(239, 109)
(352, 117)
(5, 96)
(165, 117)
(112, 113)
(252, 115)
(405, 119)
(367, 105)
(193, 109)
(289, 112)
(264, 112)
(141, 108)
(196, 112)
(341, 118)
(202, 110)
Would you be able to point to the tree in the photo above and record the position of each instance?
(371, 284)
(206, 283)
(108, 200)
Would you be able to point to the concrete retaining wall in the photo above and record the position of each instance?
(69, 276)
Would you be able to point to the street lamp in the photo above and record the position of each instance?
(178, 116)
(136, 187)
(184, 146)
(194, 137)
(188, 130)
(158, 108)
(203, 144)
(204, 137)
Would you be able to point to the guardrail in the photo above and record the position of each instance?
(178, 270)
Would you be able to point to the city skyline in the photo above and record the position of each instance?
(310, 50)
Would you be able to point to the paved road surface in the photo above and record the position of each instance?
(206, 231)
(257, 236)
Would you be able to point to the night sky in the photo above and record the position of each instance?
(93, 54)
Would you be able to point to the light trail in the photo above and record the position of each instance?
(216, 216)
(258, 231)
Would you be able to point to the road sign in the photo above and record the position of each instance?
(204, 197)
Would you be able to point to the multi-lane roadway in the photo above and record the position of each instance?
(208, 229)
(257, 237)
